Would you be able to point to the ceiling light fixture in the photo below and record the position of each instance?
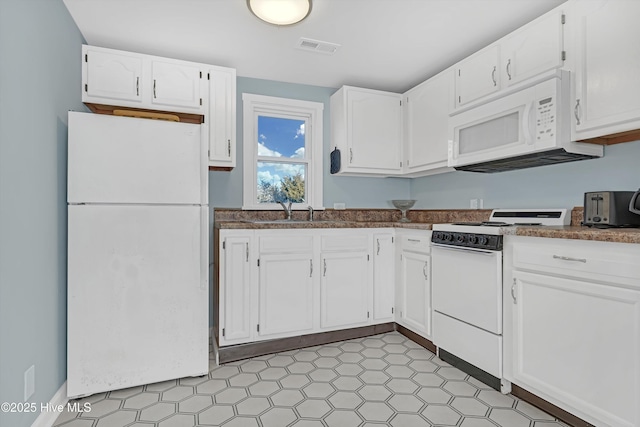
(280, 12)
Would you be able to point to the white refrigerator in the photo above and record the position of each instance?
(137, 286)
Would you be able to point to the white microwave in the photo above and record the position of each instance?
(524, 128)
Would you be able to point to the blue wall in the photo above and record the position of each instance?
(39, 81)
(225, 188)
(555, 186)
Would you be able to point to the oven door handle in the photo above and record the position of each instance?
(460, 248)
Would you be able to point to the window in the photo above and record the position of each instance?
(282, 153)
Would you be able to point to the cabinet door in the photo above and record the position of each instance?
(112, 76)
(533, 49)
(344, 287)
(235, 291)
(415, 279)
(605, 43)
(383, 277)
(374, 128)
(176, 84)
(426, 117)
(561, 328)
(477, 76)
(286, 294)
(222, 117)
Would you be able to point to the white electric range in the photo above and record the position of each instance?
(466, 268)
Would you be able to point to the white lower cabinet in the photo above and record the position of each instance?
(413, 287)
(383, 277)
(236, 278)
(283, 283)
(344, 290)
(285, 295)
(572, 326)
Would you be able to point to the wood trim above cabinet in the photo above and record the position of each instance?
(196, 119)
(615, 138)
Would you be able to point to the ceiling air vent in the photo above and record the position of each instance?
(317, 46)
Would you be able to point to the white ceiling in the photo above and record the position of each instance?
(386, 44)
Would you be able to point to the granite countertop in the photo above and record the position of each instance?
(421, 220)
(279, 225)
(618, 235)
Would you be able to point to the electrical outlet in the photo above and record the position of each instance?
(481, 204)
(29, 382)
(473, 203)
(339, 206)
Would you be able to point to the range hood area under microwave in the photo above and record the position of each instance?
(530, 126)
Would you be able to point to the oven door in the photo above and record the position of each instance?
(467, 285)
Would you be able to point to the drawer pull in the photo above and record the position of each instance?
(567, 258)
(414, 240)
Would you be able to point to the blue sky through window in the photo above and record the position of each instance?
(282, 140)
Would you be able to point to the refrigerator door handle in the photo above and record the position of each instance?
(204, 247)
(204, 164)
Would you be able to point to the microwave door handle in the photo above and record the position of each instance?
(526, 123)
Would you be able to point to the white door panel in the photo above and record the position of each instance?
(472, 294)
(135, 290)
(129, 160)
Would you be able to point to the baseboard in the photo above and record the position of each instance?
(47, 418)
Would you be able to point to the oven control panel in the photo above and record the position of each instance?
(468, 240)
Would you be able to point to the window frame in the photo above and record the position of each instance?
(309, 111)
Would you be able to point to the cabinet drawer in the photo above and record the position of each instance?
(347, 242)
(419, 242)
(286, 243)
(596, 260)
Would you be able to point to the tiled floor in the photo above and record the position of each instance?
(375, 381)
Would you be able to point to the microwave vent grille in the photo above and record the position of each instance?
(551, 157)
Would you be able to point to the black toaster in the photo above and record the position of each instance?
(609, 209)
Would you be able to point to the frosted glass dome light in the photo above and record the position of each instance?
(280, 12)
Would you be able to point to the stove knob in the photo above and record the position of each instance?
(472, 239)
(459, 238)
(482, 240)
(437, 235)
(447, 237)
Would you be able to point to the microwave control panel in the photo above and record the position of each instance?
(545, 118)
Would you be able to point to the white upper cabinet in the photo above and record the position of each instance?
(533, 49)
(111, 75)
(525, 53)
(125, 79)
(477, 76)
(426, 114)
(366, 125)
(222, 117)
(176, 84)
(606, 62)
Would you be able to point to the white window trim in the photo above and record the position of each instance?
(267, 105)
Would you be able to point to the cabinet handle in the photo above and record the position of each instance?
(567, 258)
(324, 268)
(247, 251)
(310, 268)
(137, 86)
(413, 240)
(508, 71)
(424, 270)
(378, 242)
(513, 292)
(493, 76)
(154, 88)
(576, 111)
(350, 155)
(229, 146)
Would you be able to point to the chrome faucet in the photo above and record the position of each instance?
(287, 209)
(310, 213)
